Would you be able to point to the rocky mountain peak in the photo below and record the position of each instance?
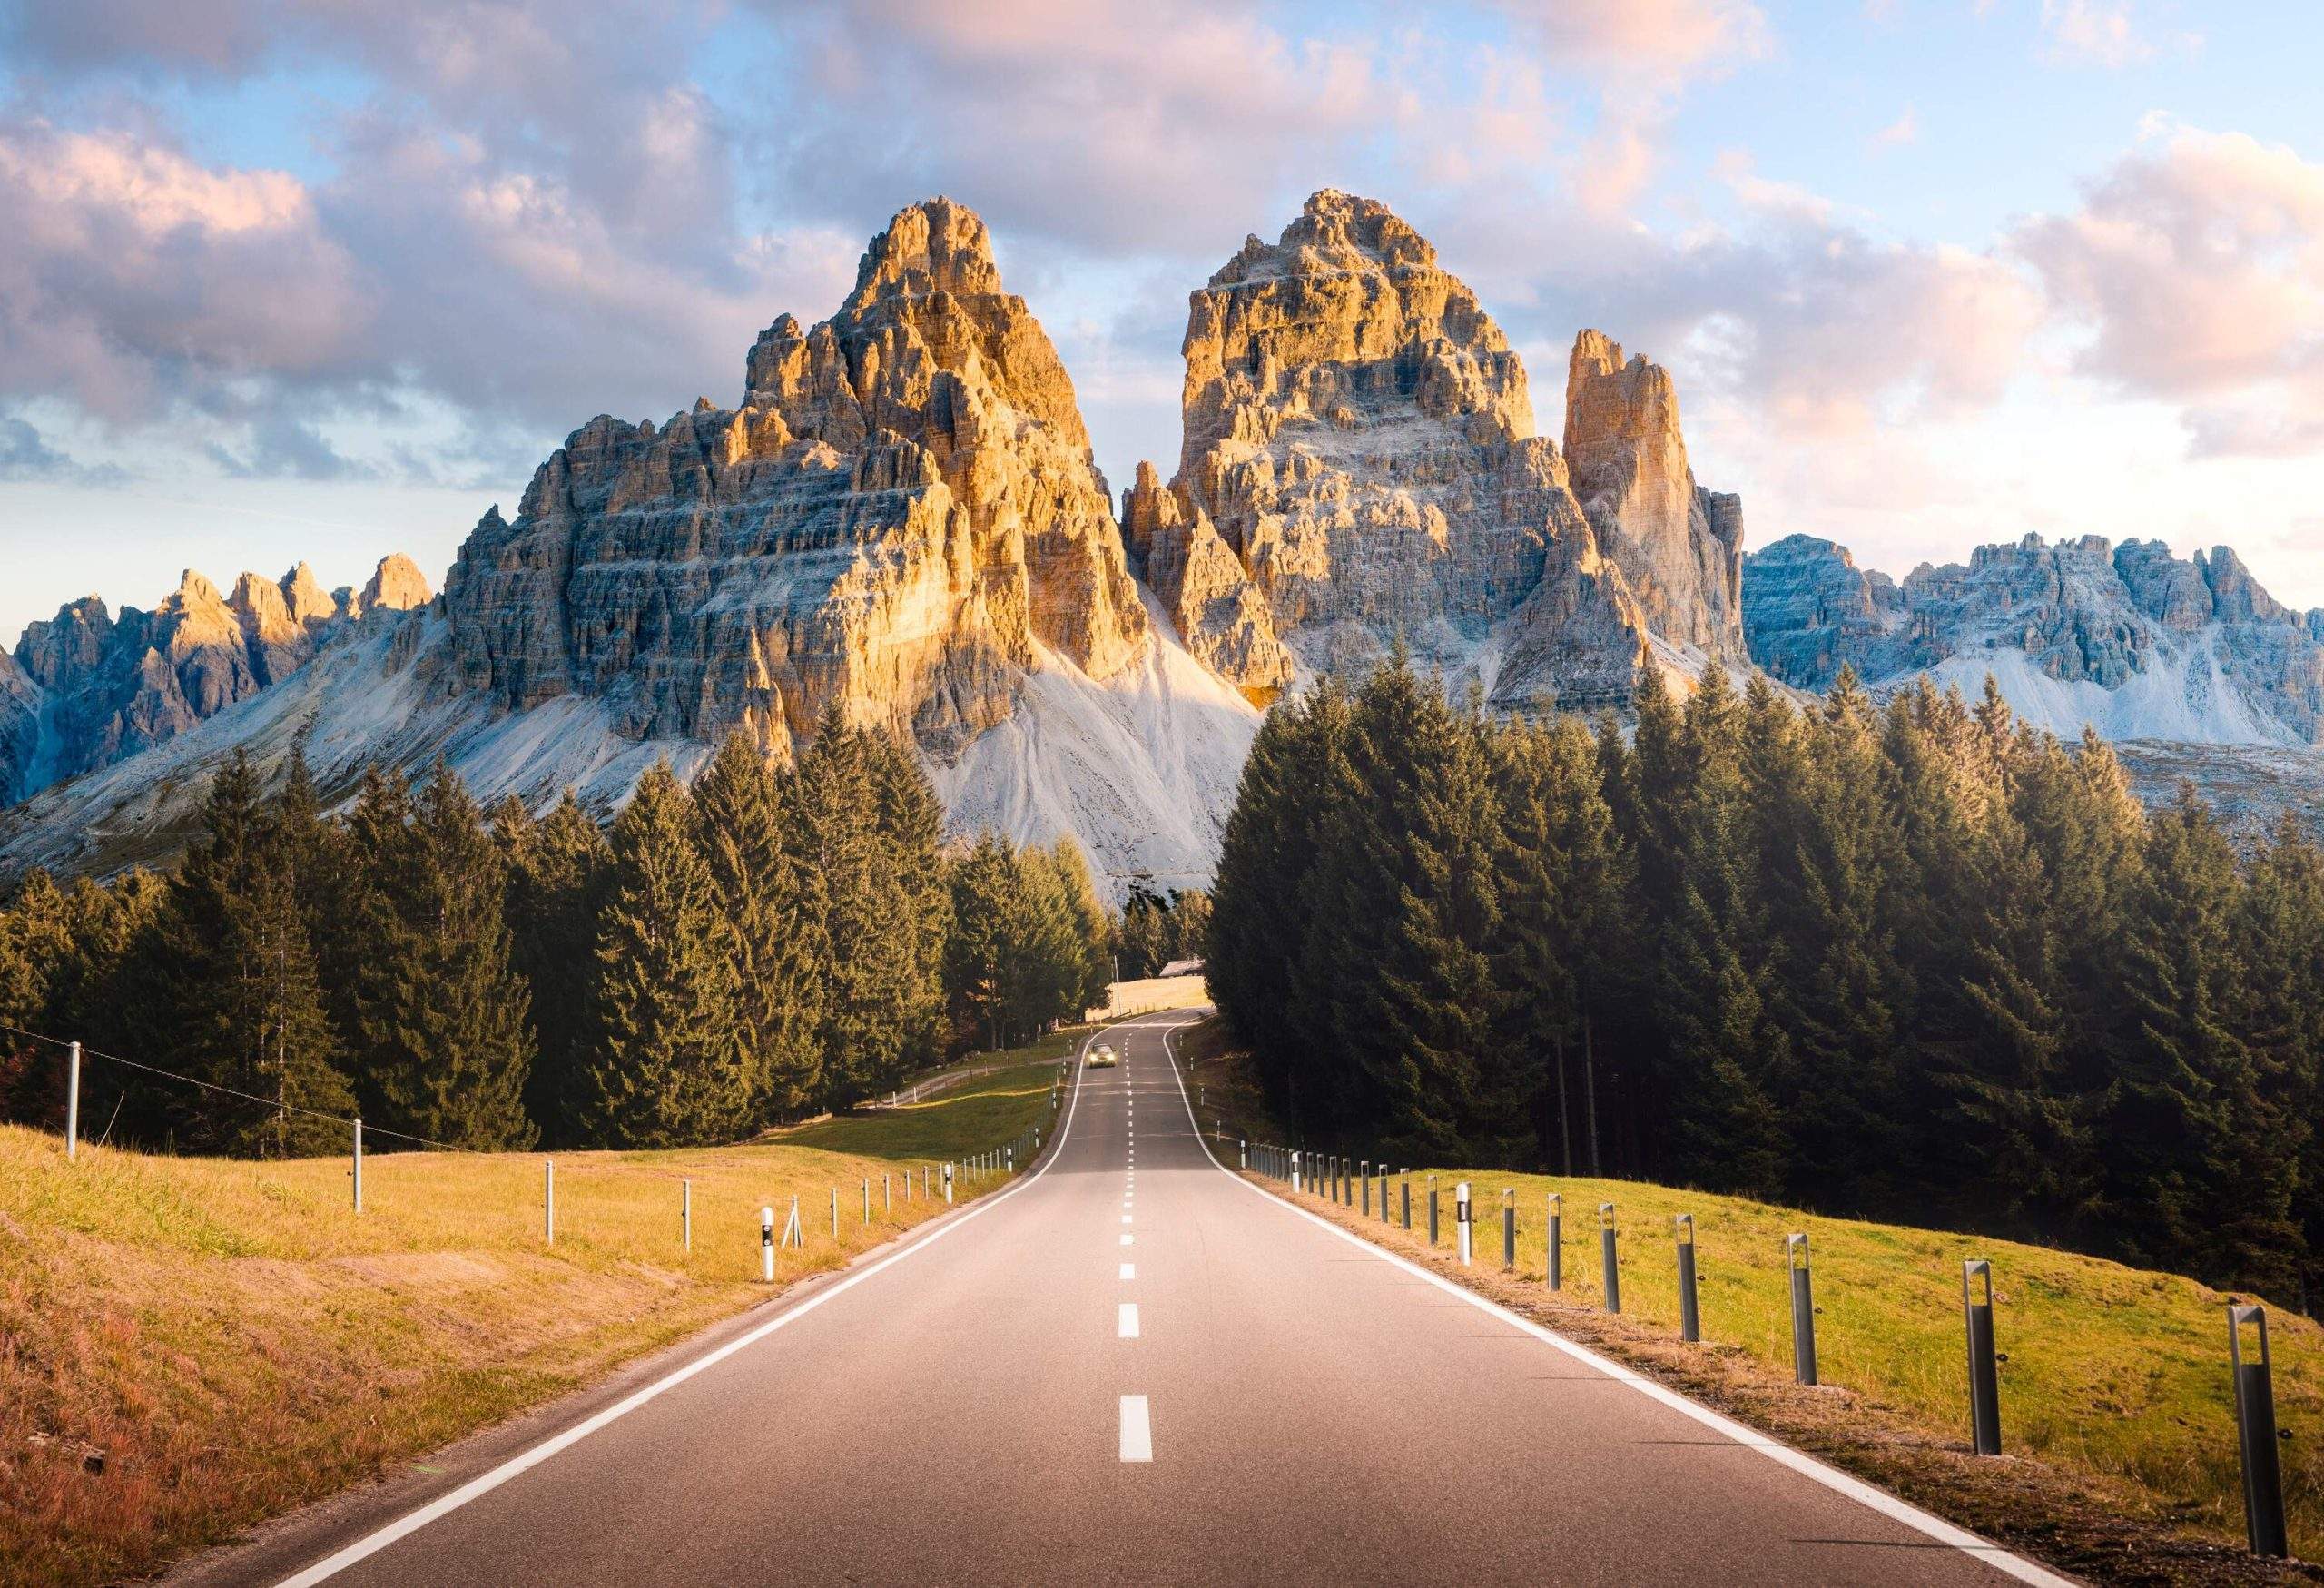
(1679, 546)
(1345, 320)
(1360, 468)
(934, 246)
(397, 584)
(309, 604)
(902, 519)
(1334, 232)
(927, 343)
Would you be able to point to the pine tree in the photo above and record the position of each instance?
(1723, 1049)
(1827, 871)
(861, 833)
(237, 1000)
(443, 1017)
(1189, 923)
(2280, 941)
(2202, 1169)
(739, 809)
(1145, 941)
(1294, 772)
(910, 826)
(672, 1066)
(987, 900)
(1086, 968)
(1406, 911)
(557, 871)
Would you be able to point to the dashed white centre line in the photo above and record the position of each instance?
(1126, 1239)
(1125, 1321)
(1137, 1429)
(1124, 1218)
(1130, 1270)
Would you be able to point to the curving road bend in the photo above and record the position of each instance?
(1131, 1367)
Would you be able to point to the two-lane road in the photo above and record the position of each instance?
(1133, 1367)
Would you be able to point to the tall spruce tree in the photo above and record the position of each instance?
(2280, 941)
(234, 998)
(558, 869)
(878, 1005)
(911, 824)
(1723, 1049)
(672, 1066)
(2202, 1164)
(442, 1017)
(1407, 908)
(779, 945)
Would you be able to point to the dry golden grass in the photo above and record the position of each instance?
(234, 1339)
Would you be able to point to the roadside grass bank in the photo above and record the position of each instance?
(1153, 995)
(189, 1346)
(2117, 1411)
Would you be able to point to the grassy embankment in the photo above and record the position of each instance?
(2115, 1395)
(221, 1340)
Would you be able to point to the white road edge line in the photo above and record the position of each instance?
(1808, 1466)
(477, 1487)
(1137, 1429)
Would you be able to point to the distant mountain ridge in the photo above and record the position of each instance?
(89, 687)
(2130, 639)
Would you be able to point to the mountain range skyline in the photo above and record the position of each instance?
(291, 284)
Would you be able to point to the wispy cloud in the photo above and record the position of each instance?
(1904, 129)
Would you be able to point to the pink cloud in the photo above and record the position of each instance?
(1661, 38)
(128, 267)
(2195, 268)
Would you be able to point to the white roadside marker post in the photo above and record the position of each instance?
(1461, 1217)
(947, 1185)
(548, 1199)
(73, 1104)
(766, 1245)
(359, 1163)
(834, 1213)
(685, 1214)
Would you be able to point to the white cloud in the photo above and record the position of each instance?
(2105, 33)
(2194, 269)
(1904, 129)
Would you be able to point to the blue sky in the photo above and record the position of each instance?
(299, 278)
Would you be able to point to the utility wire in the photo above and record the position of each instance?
(369, 1130)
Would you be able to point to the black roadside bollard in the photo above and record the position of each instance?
(1557, 1241)
(1613, 1271)
(1509, 1230)
(2255, 1429)
(1431, 1209)
(1803, 1309)
(1985, 1376)
(1367, 1187)
(1691, 1319)
(1408, 1199)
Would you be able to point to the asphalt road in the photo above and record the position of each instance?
(1132, 1367)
